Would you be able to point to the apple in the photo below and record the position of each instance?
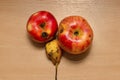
(42, 26)
(74, 35)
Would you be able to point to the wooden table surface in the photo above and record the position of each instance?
(21, 59)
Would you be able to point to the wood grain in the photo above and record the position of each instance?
(22, 59)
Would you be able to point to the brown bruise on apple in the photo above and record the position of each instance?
(44, 34)
(62, 29)
(42, 25)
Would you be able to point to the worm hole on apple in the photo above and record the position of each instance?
(44, 34)
(42, 25)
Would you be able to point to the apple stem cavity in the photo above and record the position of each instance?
(76, 33)
(44, 34)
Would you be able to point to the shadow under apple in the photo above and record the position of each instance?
(34, 43)
(78, 57)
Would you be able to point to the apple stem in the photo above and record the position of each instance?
(56, 67)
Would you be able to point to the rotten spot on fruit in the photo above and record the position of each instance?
(89, 36)
(62, 27)
(61, 30)
(57, 50)
(50, 54)
(56, 58)
(83, 20)
(42, 25)
(44, 34)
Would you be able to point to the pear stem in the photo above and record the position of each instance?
(56, 70)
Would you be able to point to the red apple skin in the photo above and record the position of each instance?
(74, 35)
(42, 26)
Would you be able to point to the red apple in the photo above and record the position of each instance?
(74, 35)
(42, 26)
